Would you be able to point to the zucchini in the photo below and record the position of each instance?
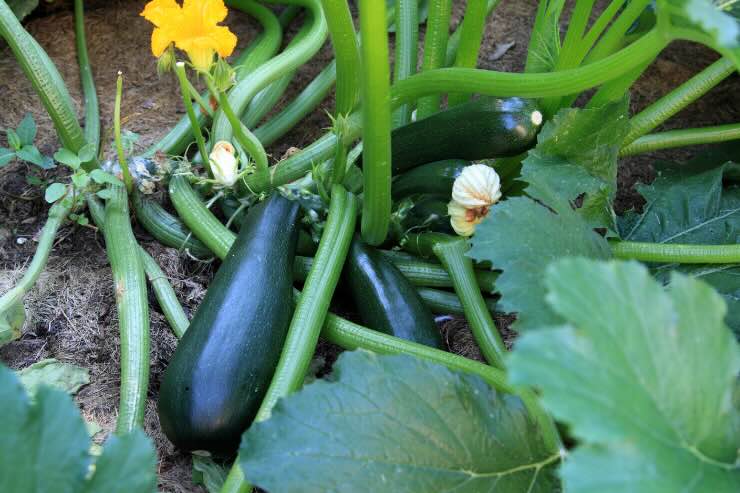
(386, 300)
(429, 213)
(480, 129)
(434, 178)
(166, 228)
(223, 365)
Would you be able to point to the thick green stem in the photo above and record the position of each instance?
(678, 99)
(444, 302)
(163, 291)
(44, 77)
(275, 68)
(249, 142)
(262, 49)
(435, 48)
(352, 336)
(376, 119)
(611, 41)
(92, 108)
(339, 165)
(614, 90)
(407, 47)
(129, 286)
(682, 138)
(127, 178)
(675, 253)
(472, 28)
(346, 53)
(194, 124)
(451, 252)
(57, 215)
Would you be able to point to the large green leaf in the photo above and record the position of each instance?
(44, 447)
(53, 373)
(698, 203)
(715, 23)
(576, 154)
(21, 8)
(397, 423)
(643, 375)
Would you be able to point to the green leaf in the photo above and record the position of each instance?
(67, 157)
(80, 180)
(208, 473)
(697, 203)
(14, 141)
(397, 423)
(31, 154)
(53, 373)
(576, 154)
(87, 153)
(643, 376)
(715, 23)
(104, 194)
(11, 323)
(44, 447)
(21, 8)
(54, 192)
(521, 237)
(6, 156)
(101, 177)
(83, 221)
(27, 130)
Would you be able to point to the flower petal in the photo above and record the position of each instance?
(200, 50)
(161, 12)
(224, 41)
(160, 41)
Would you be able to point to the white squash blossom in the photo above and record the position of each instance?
(476, 189)
(224, 165)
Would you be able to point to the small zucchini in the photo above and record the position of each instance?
(223, 365)
(432, 178)
(386, 300)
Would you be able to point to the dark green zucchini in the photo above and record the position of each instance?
(386, 300)
(223, 365)
(166, 228)
(480, 129)
(434, 178)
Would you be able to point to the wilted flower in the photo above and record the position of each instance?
(192, 27)
(224, 165)
(476, 189)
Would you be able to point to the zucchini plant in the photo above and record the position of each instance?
(451, 190)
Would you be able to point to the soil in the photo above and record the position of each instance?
(71, 313)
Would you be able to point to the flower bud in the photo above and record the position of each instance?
(477, 186)
(224, 165)
(464, 219)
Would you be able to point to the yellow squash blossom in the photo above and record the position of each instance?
(192, 27)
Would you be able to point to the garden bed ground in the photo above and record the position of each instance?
(71, 313)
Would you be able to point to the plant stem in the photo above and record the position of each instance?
(447, 303)
(471, 29)
(451, 252)
(376, 118)
(45, 79)
(133, 310)
(57, 215)
(435, 48)
(407, 42)
(352, 336)
(682, 138)
(339, 165)
(92, 109)
(346, 53)
(679, 98)
(610, 42)
(194, 124)
(313, 304)
(675, 253)
(244, 137)
(163, 291)
(127, 179)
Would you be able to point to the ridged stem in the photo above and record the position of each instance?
(678, 99)
(407, 48)
(129, 286)
(682, 138)
(92, 107)
(249, 142)
(376, 120)
(471, 29)
(127, 178)
(676, 253)
(346, 54)
(194, 124)
(611, 41)
(435, 48)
